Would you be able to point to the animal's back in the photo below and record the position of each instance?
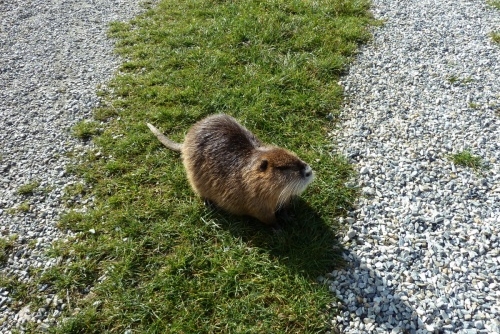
(216, 151)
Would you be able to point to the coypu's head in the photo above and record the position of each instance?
(283, 172)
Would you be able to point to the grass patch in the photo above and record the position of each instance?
(24, 207)
(22, 294)
(473, 105)
(6, 246)
(495, 37)
(455, 80)
(28, 189)
(18, 291)
(494, 3)
(150, 257)
(85, 130)
(74, 193)
(467, 159)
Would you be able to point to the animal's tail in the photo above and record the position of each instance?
(164, 140)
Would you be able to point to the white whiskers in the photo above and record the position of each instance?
(294, 188)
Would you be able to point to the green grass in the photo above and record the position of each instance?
(150, 256)
(6, 246)
(473, 105)
(24, 207)
(494, 3)
(495, 37)
(85, 130)
(18, 291)
(28, 188)
(74, 193)
(453, 79)
(22, 294)
(467, 159)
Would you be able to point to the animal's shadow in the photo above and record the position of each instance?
(303, 242)
(309, 246)
(370, 298)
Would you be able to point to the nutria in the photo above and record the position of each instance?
(230, 167)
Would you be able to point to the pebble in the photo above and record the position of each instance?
(351, 234)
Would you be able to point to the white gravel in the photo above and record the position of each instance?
(53, 55)
(423, 245)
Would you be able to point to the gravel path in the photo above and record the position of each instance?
(423, 243)
(53, 55)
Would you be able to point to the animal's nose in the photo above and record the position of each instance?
(307, 171)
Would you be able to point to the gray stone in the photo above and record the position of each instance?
(479, 324)
(351, 234)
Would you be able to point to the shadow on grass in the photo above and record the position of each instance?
(305, 243)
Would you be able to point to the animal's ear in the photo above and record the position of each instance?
(263, 165)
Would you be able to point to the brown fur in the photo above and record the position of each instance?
(227, 165)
